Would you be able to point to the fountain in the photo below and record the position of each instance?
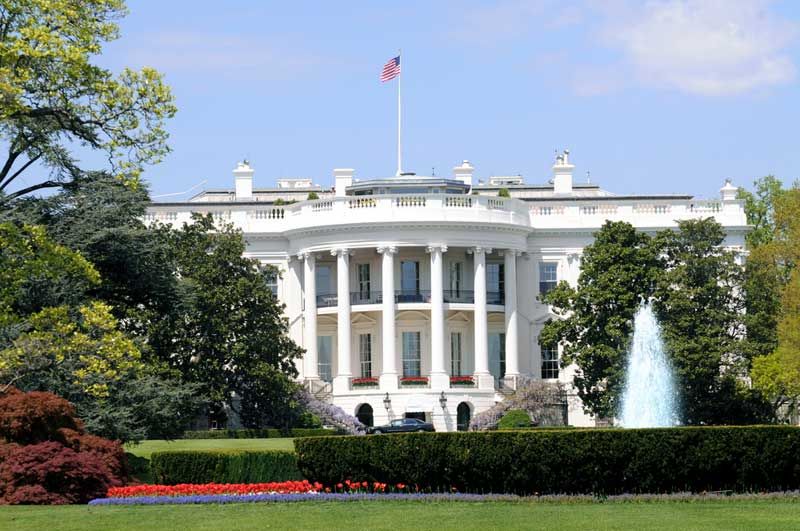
(650, 396)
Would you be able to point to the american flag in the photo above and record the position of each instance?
(391, 69)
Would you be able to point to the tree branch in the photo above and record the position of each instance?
(40, 186)
(16, 174)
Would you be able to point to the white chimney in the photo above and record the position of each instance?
(562, 174)
(243, 177)
(728, 192)
(464, 173)
(343, 178)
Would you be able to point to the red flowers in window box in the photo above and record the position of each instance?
(364, 382)
(414, 380)
(464, 381)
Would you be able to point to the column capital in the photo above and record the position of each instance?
(480, 250)
(305, 255)
(432, 248)
(340, 251)
(387, 249)
(512, 252)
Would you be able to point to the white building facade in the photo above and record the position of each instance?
(418, 296)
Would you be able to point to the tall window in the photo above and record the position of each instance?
(409, 276)
(497, 355)
(324, 350)
(365, 354)
(455, 354)
(411, 354)
(272, 281)
(456, 274)
(323, 278)
(549, 362)
(548, 276)
(363, 281)
(495, 278)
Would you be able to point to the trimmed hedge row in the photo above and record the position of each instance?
(227, 466)
(268, 433)
(597, 461)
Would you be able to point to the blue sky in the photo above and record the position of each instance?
(664, 96)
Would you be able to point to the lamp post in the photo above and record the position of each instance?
(387, 402)
(442, 400)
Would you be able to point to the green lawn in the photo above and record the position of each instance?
(145, 448)
(705, 515)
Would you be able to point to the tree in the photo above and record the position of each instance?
(312, 196)
(228, 331)
(595, 324)
(759, 206)
(699, 306)
(83, 356)
(503, 192)
(54, 99)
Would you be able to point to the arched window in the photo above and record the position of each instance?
(364, 414)
(463, 416)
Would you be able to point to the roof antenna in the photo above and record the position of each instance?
(433, 171)
(588, 177)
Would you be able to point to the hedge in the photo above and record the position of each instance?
(573, 461)
(268, 433)
(515, 418)
(227, 466)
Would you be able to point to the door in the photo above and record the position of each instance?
(324, 356)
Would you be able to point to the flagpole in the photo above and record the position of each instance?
(399, 118)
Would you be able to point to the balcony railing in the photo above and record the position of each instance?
(495, 297)
(405, 295)
(325, 300)
(459, 296)
(366, 297)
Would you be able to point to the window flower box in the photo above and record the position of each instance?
(462, 381)
(414, 381)
(364, 382)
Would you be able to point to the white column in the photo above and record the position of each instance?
(388, 378)
(512, 339)
(439, 378)
(341, 382)
(482, 376)
(310, 360)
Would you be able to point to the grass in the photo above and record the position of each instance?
(669, 515)
(145, 448)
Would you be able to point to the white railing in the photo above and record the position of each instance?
(547, 210)
(410, 201)
(651, 209)
(271, 213)
(458, 201)
(706, 207)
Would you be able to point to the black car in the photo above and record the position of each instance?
(402, 426)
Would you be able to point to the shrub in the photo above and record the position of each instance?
(234, 466)
(515, 418)
(266, 433)
(503, 192)
(47, 458)
(312, 196)
(598, 461)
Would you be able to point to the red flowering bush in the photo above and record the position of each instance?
(189, 489)
(47, 458)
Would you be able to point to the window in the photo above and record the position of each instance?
(409, 276)
(411, 354)
(456, 273)
(463, 415)
(324, 349)
(364, 286)
(497, 355)
(272, 281)
(548, 276)
(365, 354)
(549, 362)
(455, 354)
(495, 278)
(323, 278)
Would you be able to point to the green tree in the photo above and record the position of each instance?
(618, 271)
(228, 327)
(503, 192)
(698, 302)
(54, 99)
(759, 206)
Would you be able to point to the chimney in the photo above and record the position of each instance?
(464, 173)
(343, 178)
(243, 177)
(562, 174)
(728, 192)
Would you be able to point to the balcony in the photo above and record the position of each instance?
(326, 300)
(495, 297)
(459, 296)
(405, 295)
(366, 297)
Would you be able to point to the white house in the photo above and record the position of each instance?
(397, 287)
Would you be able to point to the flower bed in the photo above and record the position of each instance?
(190, 489)
(462, 381)
(414, 380)
(364, 382)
